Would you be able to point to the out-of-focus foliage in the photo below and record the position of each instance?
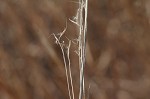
(118, 49)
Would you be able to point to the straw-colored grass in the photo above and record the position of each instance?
(117, 51)
(81, 21)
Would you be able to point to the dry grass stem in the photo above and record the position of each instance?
(81, 21)
(68, 75)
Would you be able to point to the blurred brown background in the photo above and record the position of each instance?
(118, 49)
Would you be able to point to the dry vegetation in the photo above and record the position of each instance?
(118, 49)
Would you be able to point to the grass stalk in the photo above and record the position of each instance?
(81, 21)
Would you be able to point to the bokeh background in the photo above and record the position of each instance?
(118, 49)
